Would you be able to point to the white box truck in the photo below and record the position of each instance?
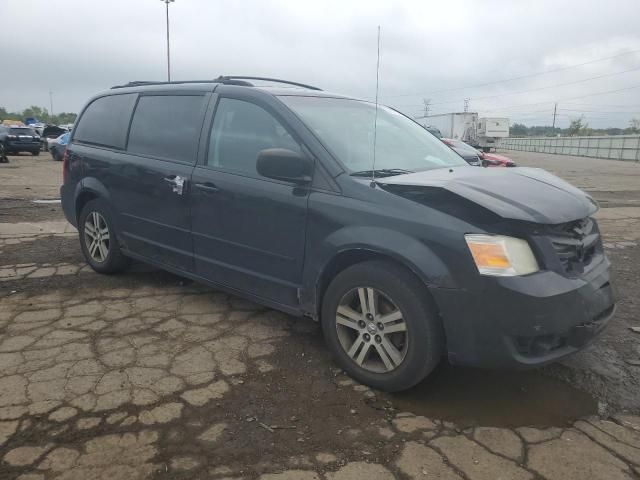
(459, 126)
(491, 130)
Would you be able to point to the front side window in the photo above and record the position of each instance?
(240, 131)
(167, 127)
(346, 128)
(106, 120)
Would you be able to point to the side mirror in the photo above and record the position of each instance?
(284, 164)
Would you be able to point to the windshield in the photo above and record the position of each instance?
(463, 146)
(345, 127)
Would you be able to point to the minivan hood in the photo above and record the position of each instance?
(528, 194)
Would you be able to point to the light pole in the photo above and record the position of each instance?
(167, 2)
(51, 102)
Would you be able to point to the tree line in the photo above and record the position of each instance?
(42, 114)
(577, 127)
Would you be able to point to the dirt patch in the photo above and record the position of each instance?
(295, 409)
(50, 249)
(17, 210)
(624, 198)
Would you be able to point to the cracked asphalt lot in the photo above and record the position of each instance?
(146, 375)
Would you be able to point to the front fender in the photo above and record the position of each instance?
(400, 247)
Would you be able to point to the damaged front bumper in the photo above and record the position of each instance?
(525, 321)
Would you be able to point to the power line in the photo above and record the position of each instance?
(539, 88)
(565, 99)
(604, 105)
(601, 111)
(519, 77)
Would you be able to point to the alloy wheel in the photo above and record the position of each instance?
(371, 330)
(97, 237)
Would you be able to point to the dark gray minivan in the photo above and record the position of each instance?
(273, 194)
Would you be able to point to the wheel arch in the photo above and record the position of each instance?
(87, 190)
(401, 249)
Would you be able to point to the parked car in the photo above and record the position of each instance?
(271, 194)
(20, 139)
(495, 160)
(51, 132)
(470, 154)
(433, 130)
(58, 146)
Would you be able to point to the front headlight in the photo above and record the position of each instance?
(501, 256)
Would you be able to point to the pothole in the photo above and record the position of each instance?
(474, 397)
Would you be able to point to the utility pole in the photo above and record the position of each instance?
(167, 2)
(555, 108)
(51, 103)
(466, 104)
(427, 106)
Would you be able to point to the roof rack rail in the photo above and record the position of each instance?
(138, 83)
(225, 79)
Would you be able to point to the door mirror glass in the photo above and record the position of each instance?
(284, 164)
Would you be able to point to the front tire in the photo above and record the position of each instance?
(381, 326)
(35, 154)
(98, 238)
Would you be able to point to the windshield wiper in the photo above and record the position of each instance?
(380, 172)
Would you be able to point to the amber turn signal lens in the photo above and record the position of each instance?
(488, 255)
(500, 255)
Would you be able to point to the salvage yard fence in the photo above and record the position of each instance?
(618, 147)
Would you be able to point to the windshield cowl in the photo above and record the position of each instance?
(381, 172)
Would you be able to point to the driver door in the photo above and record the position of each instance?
(248, 230)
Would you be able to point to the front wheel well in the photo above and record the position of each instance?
(349, 258)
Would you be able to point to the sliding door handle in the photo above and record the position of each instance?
(206, 186)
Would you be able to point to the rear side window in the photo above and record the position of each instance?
(167, 126)
(106, 120)
(240, 131)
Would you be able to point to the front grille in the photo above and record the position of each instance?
(576, 244)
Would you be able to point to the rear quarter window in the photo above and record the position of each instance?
(106, 120)
(167, 127)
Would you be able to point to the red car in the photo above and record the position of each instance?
(487, 159)
(495, 160)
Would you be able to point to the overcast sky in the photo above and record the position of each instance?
(77, 48)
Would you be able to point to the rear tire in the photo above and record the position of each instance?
(35, 154)
(99, 239)
(398, 353)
